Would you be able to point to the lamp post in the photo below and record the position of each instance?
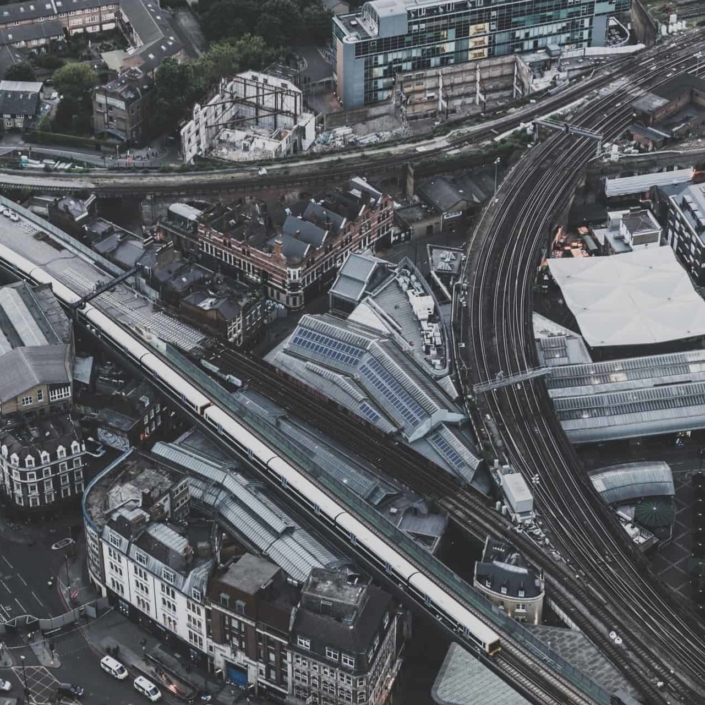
(496, 169)
(27, 694)
(68, 580)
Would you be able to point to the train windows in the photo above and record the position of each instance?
(353, 539)
(317, 508)
(427, 600)
(388, 567)
(285, 482)
(250, 453)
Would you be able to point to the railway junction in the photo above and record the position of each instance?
(663, 647)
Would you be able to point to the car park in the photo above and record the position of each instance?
(113, 667)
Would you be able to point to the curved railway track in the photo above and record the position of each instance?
(500, 270)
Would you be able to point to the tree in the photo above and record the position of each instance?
(226, 59)
(317, 22)
(176, 90)
(21, 71)
(279, 23)
(230, 19)
(75, 81)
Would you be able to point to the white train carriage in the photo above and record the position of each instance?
(311, 495)
(105, 326)
(16, 261)
(456, 616)
(178, 385)
(382, 553)
(246, 441)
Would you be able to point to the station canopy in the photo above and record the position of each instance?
(639, 298)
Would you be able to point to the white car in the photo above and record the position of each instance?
(147, 688)
(114, 668)
(6, 212)
(14, 217)
(5, 685)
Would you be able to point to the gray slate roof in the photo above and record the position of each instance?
(464, 680)
(19, 97)
(49, 29)
(305, 231)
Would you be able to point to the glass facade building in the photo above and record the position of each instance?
(389, 36)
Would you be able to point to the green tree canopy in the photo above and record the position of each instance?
(21, 71)
(75, 81)
(176, 90)
(279, 23)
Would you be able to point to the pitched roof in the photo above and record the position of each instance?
(19, 97)
(24, 368)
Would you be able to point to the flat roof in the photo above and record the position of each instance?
(634, 481)
(638, 298)
(643, 182)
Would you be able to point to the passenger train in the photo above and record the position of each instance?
(385, 556)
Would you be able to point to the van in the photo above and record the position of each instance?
(147, 688)
(69, 690)
(113, 667)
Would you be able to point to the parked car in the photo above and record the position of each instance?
(147, 688)
(5, 685)
(113, 667)
(6, 212)
(14, 217)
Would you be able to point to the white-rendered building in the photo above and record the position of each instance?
(253, 116)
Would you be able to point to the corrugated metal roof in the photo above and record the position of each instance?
(638, 184)
(632, 481)
(348, 288)
(360, 267)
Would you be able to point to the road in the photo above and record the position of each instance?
(663, 640)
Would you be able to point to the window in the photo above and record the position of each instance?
(142, 604)
(168, 575)
(77, 462)
(48, 485)
(78, 474)
(34, 501)
(303, 643)
(347, 661)
(168, 605)
(31, 476)
(361, 696)
(29, 462)
(47, 471)
(117, 586)
(345, 679)
(239, 607)
(40, 395)
(33, 489)
(195, 639)
(140, 573)
(64, 478)
(196, 594)
(225, 600)
(140, 558)
(193, 607)
(142, 587)
(61, 452)
(49, 497)
(332, 654)
(168, 591)
(27, 401)
(194, 622)
(59, 393)
(65, 491)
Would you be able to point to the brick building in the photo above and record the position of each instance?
(295, 253)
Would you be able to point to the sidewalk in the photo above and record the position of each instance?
(135, 643)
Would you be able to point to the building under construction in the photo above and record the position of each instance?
(252, 116)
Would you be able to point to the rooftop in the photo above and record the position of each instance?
(628, 185)
(503, 567)
(49, 29)
(629, 482)
(638, 298)
(465, 680)
(44, 434)
(640, 221)
(19, 97)
(250, 574)
(557, 345)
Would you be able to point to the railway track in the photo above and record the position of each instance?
(500, 273)
(467, 507)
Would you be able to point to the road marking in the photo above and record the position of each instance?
(5, 586)
(24, 611)
(7, 614)
(8, 563)
(22, 579)
(37, 599)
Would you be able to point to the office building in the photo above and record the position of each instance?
(685, 228)
(386, 37)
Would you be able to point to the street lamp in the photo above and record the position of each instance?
(27, 694)
(496, 168)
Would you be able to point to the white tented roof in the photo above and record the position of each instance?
(638, 298)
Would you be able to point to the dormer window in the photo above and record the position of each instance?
(168, 575)
(15, 459)
(503, 589)
(29, 461)
(45, 457)
(522, 593)
(61, 452)
(488, 582)
(75, 447)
